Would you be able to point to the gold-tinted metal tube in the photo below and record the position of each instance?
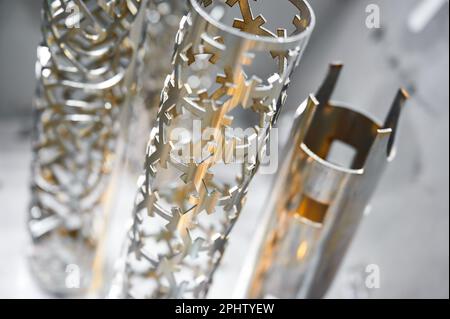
(187, 206)
(310, 224)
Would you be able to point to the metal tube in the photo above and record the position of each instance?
(193, 188)
(85, 72)
(310, 224)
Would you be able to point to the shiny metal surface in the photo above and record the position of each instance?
(406, 233)
(186, 208)
(85, 70)
(316, 214)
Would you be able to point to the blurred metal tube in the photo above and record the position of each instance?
(85, 72)
(310, 224)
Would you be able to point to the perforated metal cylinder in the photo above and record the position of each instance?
(85, 72)
(195, 182)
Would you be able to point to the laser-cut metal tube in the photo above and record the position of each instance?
(319, 203)
(85, 72)
(186, 209)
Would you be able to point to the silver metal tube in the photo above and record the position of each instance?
(193, 189)
(310, 224)
(85, 71)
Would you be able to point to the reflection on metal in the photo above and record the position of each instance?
(187, 207)
(423, 13)
(318, 203)
(85, 72)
